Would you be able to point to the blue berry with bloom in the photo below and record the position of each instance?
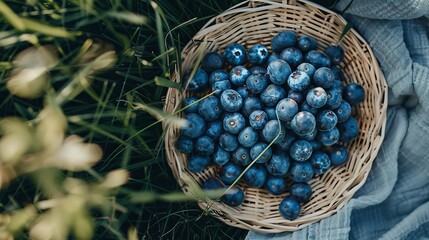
(287, 141)
(316, 145)
(258, 119)
(217, 76)
(258, 54)
(185, 144)
(338, 85)
(329, 138)
(233, 123)
(258, 70)
(256, 83)
(335, 53)
(339, 75)
(298, 81)
(273, 57)
(212, 184)
(220, 156)
(194, 127)
(231, 100)
(301, 192)
(220, 86)
(257, 149)
(278, 71)
(303, 123)
(255, 176)
(301, 171)
(198, 163)
(334, 98)
(275, 185)
(321, 162)
(204, 145)
(230, 172)
(192, 107)
(349, 130)
(235, 54)
(272, 95)
(301, 150)
(271, 130)
(338, 155)
(238, 75)
(323, 77)
(307, 43)
(271, 113)
(311, 136)
(318, 59)
(326, 120)
(289, 208)
(354, 93)
(279, 164)
(234, 197)
(241, 156)
(343, 111)
(209, 108)
(297, 96)
(248, 137)
(286, 109)
(244, 92)
(317, 97)
(212, 61)
(251, 104)
(283, 40)
(214, 129)
(307, 68)
(292, 56)
(228, 142)
(198, 83)
(307, 108)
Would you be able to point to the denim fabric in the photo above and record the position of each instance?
(394, 202)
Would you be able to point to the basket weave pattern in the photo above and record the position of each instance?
(257, 21)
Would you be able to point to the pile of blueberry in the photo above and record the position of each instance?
(295, 84)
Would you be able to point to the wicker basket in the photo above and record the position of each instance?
(257, 21)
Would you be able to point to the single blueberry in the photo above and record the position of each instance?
(339, 75)
(353, 93)
(323, 77)
(272, 95)
(316, 145)
(275, 185)
(317, 97)
(231, 101)
(238, 75)
(307, 108)
(257, 149)
(278, 71)
(301, 171)
(220, 156)
(343, 111)
(303, 123)
(258, 119)
(217, 76)
(318, 59)
(286, 109)
(258, 70)
(283, 40)
(228, 142)
(229, 173)
(255, 176)
(244, 92)
(256, 83)
(334, 98)
(234, 197)
(326, 120)
(233, 123)
(298, 81)
(212, 61)
(194, 127)
(338, 155)
(297, 96)
(271, 113)
(197, 163)
(301, 192)
(338, 85)
(191, 106)
(250, 105)
(311, 136)
(212, 184)
(279, 164)
(214, 129)
(198, 83)
(349, 130)
(209, 108)
(184, 144)
(329, 138)
(287, 141)
(321, 162)
(273, 57)
(258, 54)
(235, 54)
(301, 150)
(271, 130)
(307, 43)
(289, 208)
(307, 68)
(220, 86)
(241, 156)
(204, 145)
(335, 53)
(248, 137)
(292, 56)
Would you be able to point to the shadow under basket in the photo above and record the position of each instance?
(258, 21)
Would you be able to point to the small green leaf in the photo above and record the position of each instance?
(346, 29)
(164, 82)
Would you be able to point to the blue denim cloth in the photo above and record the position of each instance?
(394, 202)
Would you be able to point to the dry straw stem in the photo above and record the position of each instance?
(257, 21)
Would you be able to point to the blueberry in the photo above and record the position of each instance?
(235, 54)
(238, 75)
(258, 119)
(271, 113)
(275, 185)
(298, 81)
(311, 136)
(197, 163)
(286, 109)
(318, 59)
(301, 171)
(306, 44)
(287, 141)
(323, 77)
(343, 111)
(229, 173)
(317, 97)
(220, 86)
(257, 149)
(209, 108)
(301, 150)
(301, 192)
(273, 57)
(338, 155)
(307, 68)
(258, 54)
(292, 56)
(251, 104)
(307, 108)
(194, 127)
(212, 61)
(258, 70)
(233, 122)
(335, 53)
(191, 106)
(353, 93)
(279, 164)
(349, 130)
(228, 142)
(339, 75)
(244, 92)
(212, 184)
(334, 98)
(278, 71)
(272, 95)
(220, 156)
(241, 156)
(214, 129)
(234, 197)
(248, 137)
(283, 40)
(316, 145)
(231, 101)
(271, 130)
(326, 120)
(184, 144)
(204, 145)
(256, 83)
(321, 162)
(198, 83)
(217, 76)
(303, 123)
(329, 138)
(338, 85)
(255, 176)
(297, 96)
(289, 208)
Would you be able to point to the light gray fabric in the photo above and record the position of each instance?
(394, 202)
